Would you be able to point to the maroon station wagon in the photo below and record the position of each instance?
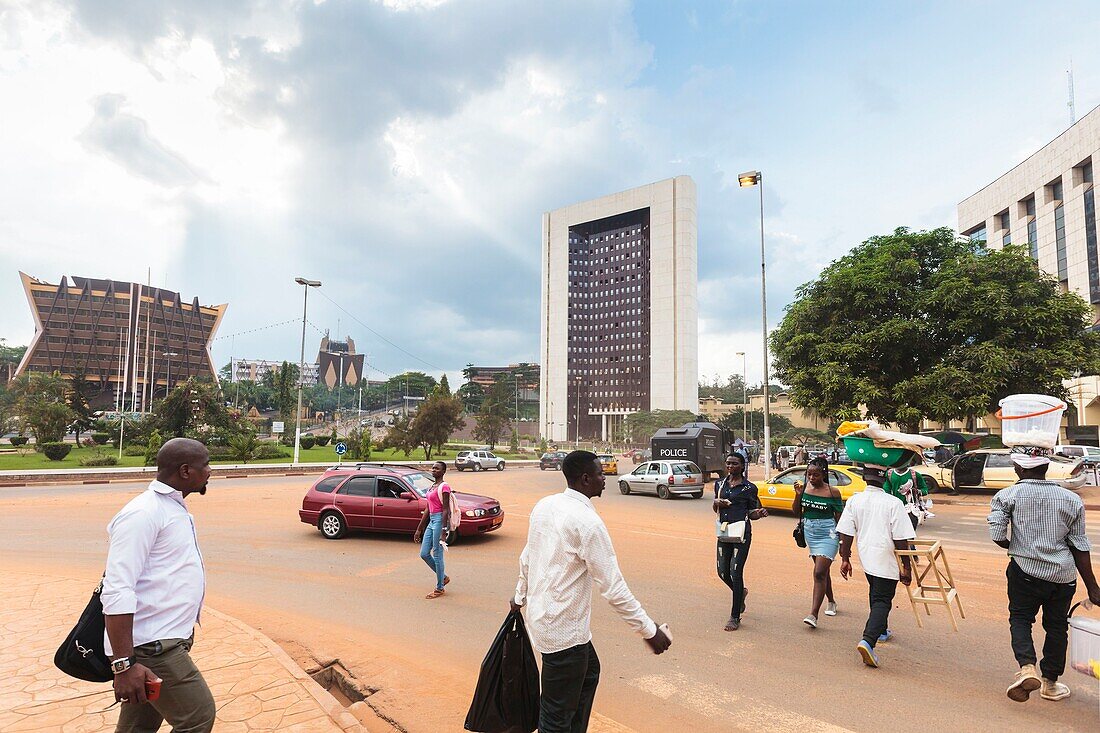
(381, 498)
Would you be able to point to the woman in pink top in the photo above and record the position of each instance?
(433, 528)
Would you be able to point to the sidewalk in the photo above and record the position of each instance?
(256, 685)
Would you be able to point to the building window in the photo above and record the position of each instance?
(977, 234)
(1060, 241)
(1006, 229)
(1090, 243)
(1032, 229)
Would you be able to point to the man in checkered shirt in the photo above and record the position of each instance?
(1047, 549)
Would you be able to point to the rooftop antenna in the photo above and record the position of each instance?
(1070, 103)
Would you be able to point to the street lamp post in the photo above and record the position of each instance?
(306, 285)
(168, 376)
(744, 397)
(745, 180)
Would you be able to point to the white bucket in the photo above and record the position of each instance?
(1032, 420)
(1084, 645)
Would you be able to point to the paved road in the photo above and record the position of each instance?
(361, 599)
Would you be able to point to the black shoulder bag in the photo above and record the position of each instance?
(81, 655)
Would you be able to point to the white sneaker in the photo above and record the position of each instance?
(1027, 681)
(810, 621)
(1053, 690)
(830, 608)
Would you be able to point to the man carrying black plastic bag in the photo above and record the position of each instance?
(568, 548)
(507, 696)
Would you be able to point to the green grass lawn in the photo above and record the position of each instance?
(30, 460)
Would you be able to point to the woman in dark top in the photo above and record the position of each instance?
(736, 500)
(818, 506)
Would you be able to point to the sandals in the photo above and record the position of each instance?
(435, 594)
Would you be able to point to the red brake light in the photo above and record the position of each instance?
(671, 480)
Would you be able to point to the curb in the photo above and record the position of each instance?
(337, 712)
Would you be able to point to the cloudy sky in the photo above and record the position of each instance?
(403, 151)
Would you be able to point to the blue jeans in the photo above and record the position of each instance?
(431, 551)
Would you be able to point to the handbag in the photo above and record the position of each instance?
(81, 655)
(730, 531)
(799, 534)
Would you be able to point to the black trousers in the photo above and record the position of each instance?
(881, 597)
(1026, 595)
(569, 680)
(732, 557)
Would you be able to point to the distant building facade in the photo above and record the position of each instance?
(619, 326)
(254, 370)
(486, 376)
(131, 342)
(1048, 203)
(338, 364)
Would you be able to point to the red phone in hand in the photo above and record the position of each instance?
(152, 689)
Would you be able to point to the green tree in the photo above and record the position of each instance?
(10, 356)
(513, 444)
(400, 436)
(640, 426)
(79, 390)
(734, 422)
(284, 386)
(365, 444)
(472, 395)
(730, 389)
(192, 409)
(927, 324)
(444, 387)
(152, 447)
(243, 447)
(42, 402)
(494, 418)
(435, 421)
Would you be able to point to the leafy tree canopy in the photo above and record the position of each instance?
(928, 324)
(640, 426)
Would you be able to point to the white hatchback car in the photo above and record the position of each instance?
(665, 479)
(478, 460)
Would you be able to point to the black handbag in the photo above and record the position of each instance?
(81, 655)
(799, 534)
(507, 694)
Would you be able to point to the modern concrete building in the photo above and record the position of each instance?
(254, 370)
(132, 342)
(619, 328)
(338, 364)
(1048, 203)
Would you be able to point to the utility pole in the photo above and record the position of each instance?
(306, 285)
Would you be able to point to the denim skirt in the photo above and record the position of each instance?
(821, 538)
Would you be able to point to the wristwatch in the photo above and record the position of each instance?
(120, 665)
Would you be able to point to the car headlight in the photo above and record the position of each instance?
(475, 512)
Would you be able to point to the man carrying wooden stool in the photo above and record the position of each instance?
(1047, 549)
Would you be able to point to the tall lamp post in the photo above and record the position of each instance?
(746, 180)
(744, 397)
(306, 285)
(168, 376)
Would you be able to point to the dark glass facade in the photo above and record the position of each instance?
(609, 319)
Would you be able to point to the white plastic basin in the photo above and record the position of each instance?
(1031, 420)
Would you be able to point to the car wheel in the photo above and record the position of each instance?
(453, 538)
(332, 526)
(933, 485)
(662, 492)
(697, 495)
(477, 467)
(624, 487)
(542, 468)
(500, 466)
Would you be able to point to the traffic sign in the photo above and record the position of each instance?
(341, 449)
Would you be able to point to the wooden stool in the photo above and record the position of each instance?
(939, 589)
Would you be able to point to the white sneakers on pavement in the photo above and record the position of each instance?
(1027, 681)
(1052, 690)
(810, 621)
(830, 608)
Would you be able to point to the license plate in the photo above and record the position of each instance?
(689, 481)
(497, 520)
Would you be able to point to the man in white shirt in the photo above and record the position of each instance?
(879, 523)
(152, 596)
(568, 549)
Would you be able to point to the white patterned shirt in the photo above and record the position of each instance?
(1047, 520)
(568, 548)
(154, 567)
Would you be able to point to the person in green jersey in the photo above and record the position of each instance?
(818, 506)
(908, 486)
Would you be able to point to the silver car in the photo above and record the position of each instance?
(478, 460)
(665, 479)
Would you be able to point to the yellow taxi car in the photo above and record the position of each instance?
(779, 492)
(610, 464)
(991, 468)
